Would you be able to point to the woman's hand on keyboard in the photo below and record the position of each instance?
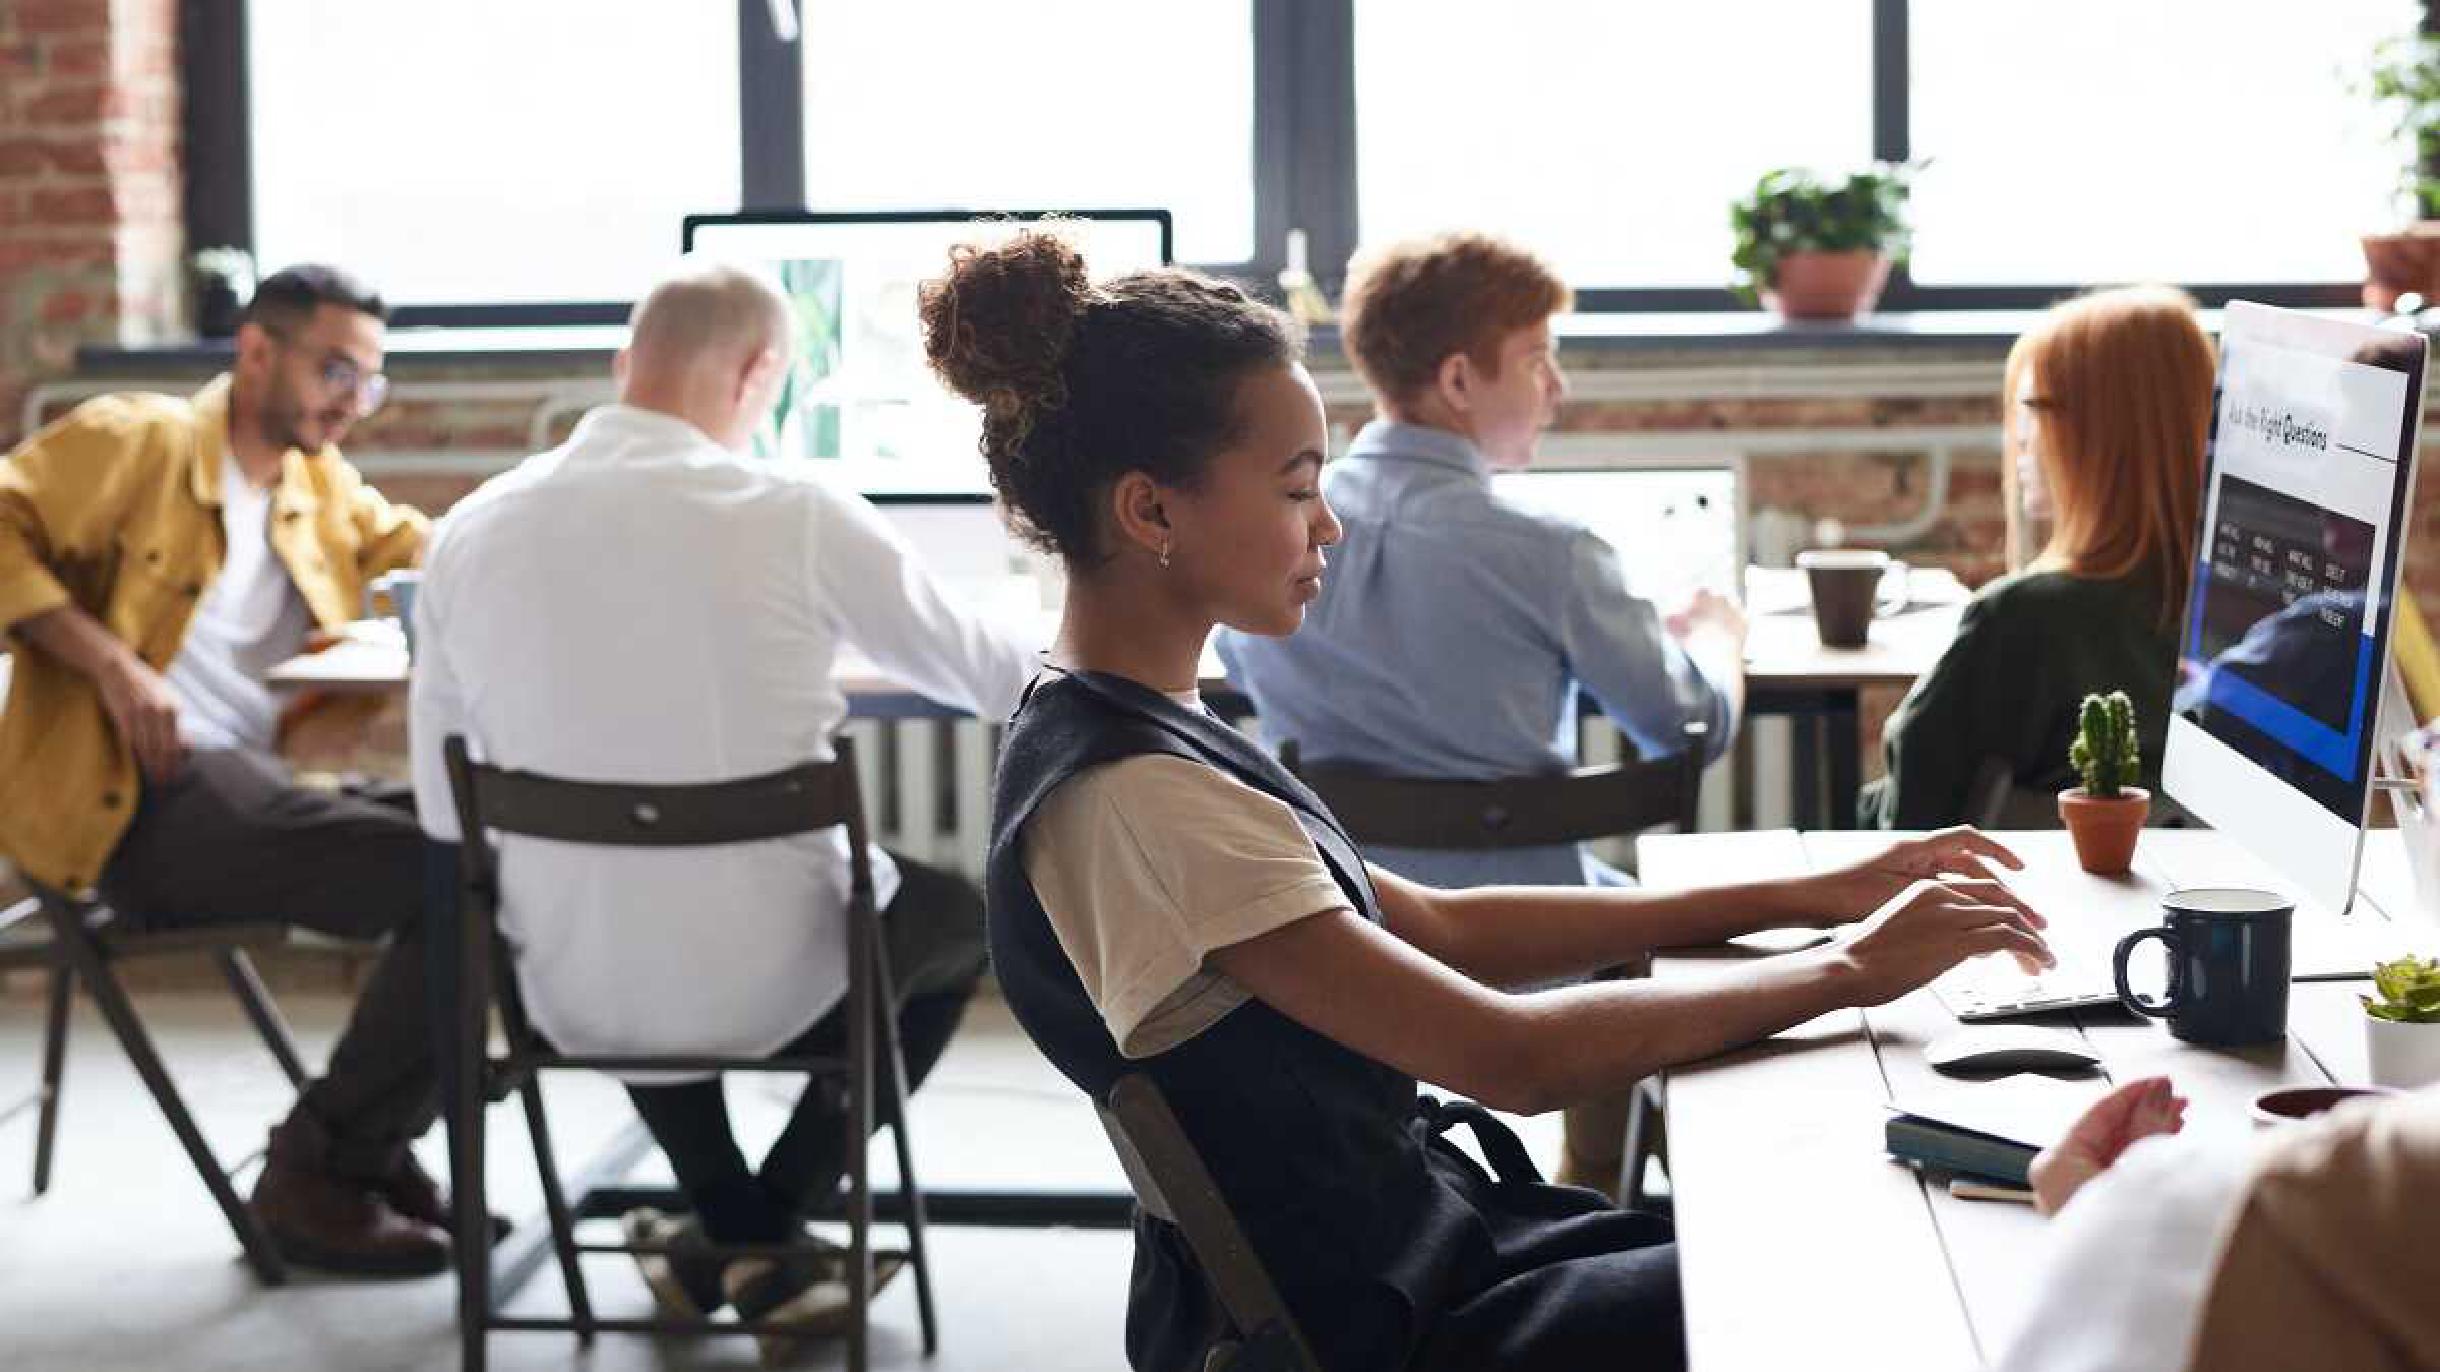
(1931, 926)
(1862, 888)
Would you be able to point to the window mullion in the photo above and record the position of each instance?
(770, 110)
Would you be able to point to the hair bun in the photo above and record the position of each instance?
(998, 324)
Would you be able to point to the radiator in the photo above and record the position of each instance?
(927, 785)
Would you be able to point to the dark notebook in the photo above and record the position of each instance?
(1991, 1130)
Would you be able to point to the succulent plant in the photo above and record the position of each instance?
(2410, 991)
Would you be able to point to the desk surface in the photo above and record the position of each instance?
(1782, 650)
(1803, 1244)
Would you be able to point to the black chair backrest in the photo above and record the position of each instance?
(1510, 812)
(1171, 1183)
(801, 799)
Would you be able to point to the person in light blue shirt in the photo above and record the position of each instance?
(1458, 634)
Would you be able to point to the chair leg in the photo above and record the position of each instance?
(910, 1193)
(555, 1201)
(1647, 1139)
(54, 1072)
(120, 1014)
(860, 1020)
(256, 1000)
(466, 1088)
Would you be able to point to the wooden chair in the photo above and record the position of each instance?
(85, 942)
(1526, 812)
(1172, 1185)
(803, 799)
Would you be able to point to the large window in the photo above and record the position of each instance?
(490, 151)
(1053, 104)
(1610, 137)
(530, 160)
(2177, 140)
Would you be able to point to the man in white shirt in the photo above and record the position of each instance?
(646, 603)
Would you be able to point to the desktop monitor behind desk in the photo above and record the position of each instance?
(2308, 479)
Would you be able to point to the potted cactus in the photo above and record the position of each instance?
(2106, 812)
(2402, 1027)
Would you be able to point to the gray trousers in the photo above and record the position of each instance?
(232, 839)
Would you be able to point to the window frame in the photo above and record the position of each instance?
(1304, 162)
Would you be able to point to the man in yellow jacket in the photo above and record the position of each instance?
(157, 556)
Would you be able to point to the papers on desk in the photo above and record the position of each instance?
(1989, 1129)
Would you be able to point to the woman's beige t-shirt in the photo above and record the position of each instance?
(1148, 865)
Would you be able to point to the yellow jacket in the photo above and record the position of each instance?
(116, 508)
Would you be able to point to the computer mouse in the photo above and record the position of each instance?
(1991, 1049)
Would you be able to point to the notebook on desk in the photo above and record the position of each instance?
(1991, 1130)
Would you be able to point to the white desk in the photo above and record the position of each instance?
(1788, 671)
(1802, 1243)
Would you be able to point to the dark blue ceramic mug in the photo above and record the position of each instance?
(2230, 953)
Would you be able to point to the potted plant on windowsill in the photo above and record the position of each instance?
(2402, 1027)
(223, 281)
(1814, 249)
(2405, 83)
(2105, 814)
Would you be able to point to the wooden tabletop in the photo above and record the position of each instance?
(1803, 1244)
(1782, 649)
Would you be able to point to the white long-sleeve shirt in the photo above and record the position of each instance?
(641, 604)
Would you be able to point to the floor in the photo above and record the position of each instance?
(126, 1264)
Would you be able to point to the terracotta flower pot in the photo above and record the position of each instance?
(1827, 285)
(2395, 263)
(2105, 830)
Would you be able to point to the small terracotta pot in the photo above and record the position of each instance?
(1827, 285)
(2395, 263)
(2105, 830)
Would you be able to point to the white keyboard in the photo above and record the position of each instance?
(1995, 987)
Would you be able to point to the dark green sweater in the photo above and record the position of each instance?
(2027, 651)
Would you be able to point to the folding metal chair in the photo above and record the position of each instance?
(800, 800)
(86, 941)
(1526, 812)
(1172, 1184)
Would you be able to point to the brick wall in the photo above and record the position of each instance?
(91, 223)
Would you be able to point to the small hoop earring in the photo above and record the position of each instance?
(1164, 554)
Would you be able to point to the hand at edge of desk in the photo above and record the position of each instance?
(2116, 1122)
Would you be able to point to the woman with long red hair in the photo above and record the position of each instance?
(2108, 407)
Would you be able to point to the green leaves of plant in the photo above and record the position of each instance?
(2409, 990)
(1792, 210)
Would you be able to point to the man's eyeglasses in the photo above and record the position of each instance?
(341, 376)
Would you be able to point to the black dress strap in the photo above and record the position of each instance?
(1501, 1147)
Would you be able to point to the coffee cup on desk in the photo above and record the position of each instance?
(2288, 1104)
(1846, 585)
(2230, 952)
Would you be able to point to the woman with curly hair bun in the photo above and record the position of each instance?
(1166, 900)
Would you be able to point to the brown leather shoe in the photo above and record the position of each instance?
(412, 1192)
(317, 1219)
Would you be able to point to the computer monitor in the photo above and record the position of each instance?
(862, 395)
(2307, 484)
(1675, 528)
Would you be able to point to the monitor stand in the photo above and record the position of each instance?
(2396, 779)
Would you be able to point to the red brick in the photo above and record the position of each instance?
(71, 207)
(21, 251)
(67, 307)
(84, 102)
(63, 16)
(82, 57)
